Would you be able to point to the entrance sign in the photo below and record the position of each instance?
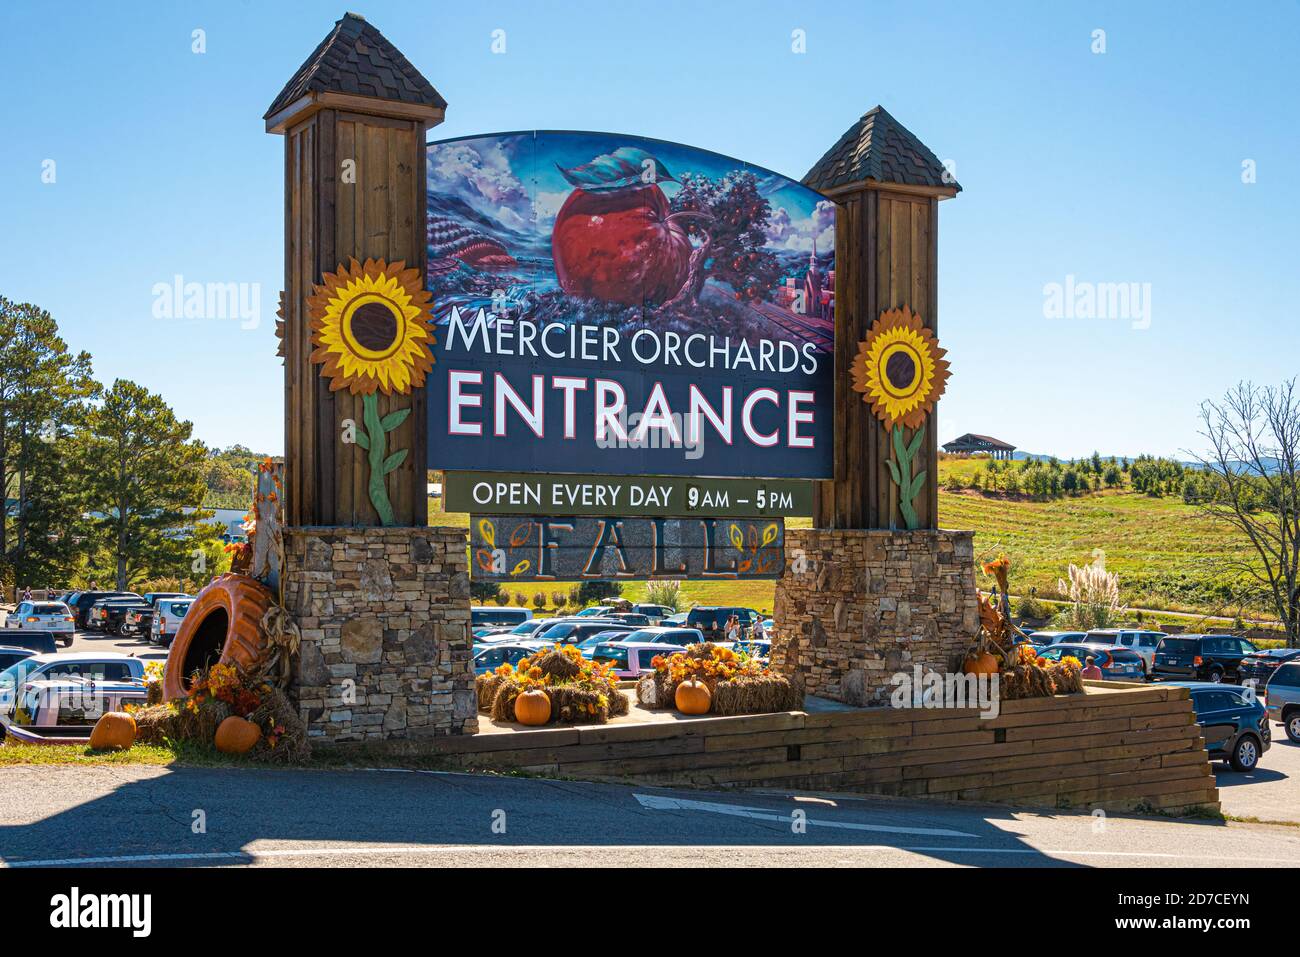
(523, 493)
(574, 548)
(617, 305)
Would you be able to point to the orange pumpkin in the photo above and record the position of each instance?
(237, 735)
(980, 664)
(692, 697)
(533, 707)
(114, 731)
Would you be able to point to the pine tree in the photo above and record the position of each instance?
(140, 470)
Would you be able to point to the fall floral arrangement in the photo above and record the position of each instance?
(217, 693)
(581, 691)
(1003, 649)
(738, 683)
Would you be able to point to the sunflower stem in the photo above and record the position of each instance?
(901, 472)
(378, 484)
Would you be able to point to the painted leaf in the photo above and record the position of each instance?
(394, 460)
(521, 534)
(918, 483)
(916, 442)
(488, 532)
(893, 471)
(393, 419)
(520, 568)
(737, 537)
(626, 166)
(769, 535)
(362, 440)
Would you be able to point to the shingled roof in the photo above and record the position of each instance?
(356, 59)
(877, 148)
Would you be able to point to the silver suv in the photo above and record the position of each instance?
(1282, 698)
(1142, 643)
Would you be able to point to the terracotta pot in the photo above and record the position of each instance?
(223, 625)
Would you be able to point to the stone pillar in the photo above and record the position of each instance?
(856, 606)
(384, 615)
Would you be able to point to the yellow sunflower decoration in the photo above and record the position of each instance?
(371, 326)
(900, 369)
(901, 372)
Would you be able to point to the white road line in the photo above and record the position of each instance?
(657, 802)
(604, 849)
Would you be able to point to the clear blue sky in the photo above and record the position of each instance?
(1119, 167)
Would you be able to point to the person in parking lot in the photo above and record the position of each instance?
(1090, 669)
(733, 628)
(27, 593)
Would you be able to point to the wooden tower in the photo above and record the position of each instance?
(887, 186)
(354, 118)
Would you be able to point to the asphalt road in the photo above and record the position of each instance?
(133, 815)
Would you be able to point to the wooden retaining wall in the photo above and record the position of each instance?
(1116, 747)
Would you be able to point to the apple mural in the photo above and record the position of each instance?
(614, 238)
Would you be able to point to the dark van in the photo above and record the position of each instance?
(1215, 658)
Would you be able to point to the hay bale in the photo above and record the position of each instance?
(619, 703)
(1066, 680)
(556, 664)
(486, 687)
(755, 694)
(573, 705)
(291, 745)
(503, 703)
(1025, 681)
(153, 693)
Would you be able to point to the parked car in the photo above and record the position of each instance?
(676, 620)
(1144, 643)
(665, 636)
(490, 657)
(1282, 698)
(1213, 658)
(656, 613)
(139, 621)
(1259, 667)
(51, 616)
(37, 642)
(81, 602)
(601, 610)
(520, 632)
(166, 620)
(572, 632)
(109, 614)
(94, 666)
(509, 617)
(629, 618)
(1233, 722)
(11, 654)
(760, 648)
(65, 710)
(631, 659)
(1059, 637)
(1116, 664)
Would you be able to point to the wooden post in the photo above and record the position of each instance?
(887, 186)
(354, 118)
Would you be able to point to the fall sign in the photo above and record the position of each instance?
(553, 548)
(623, 306)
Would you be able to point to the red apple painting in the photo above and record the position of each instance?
(615, 238)
(574, 273)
